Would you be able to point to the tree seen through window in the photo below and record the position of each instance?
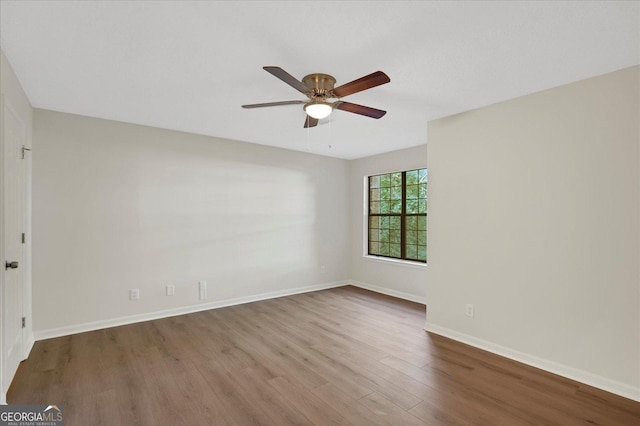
(398, 215)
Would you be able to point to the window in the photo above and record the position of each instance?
(398, 215)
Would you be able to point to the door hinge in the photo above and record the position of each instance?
(24, 239)
(24, 148)
(24, 322)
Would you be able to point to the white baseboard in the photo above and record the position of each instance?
(581, 376)
(30, 342)
(27, 350)
(389, 292)
(115, 322)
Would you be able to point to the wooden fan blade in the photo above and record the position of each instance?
(367, 82)
(287, 78)
(310, 122)
(270, 104)
(359, 109)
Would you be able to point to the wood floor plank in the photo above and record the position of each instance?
(350, 408)
(338, 356)
(231, 397)
(434, 415)
(263, 347)
(328, 368)
(316, 410)
(390, 413)
(368, 378)
(461, 398)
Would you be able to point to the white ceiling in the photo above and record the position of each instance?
(189, 66)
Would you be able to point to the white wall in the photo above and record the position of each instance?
(12, 93)
(397, 279)
(534, 218)
(120, 206)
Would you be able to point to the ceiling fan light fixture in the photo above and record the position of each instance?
(319, 87)
(318, 109)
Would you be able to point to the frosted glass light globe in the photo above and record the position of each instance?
(318, 110)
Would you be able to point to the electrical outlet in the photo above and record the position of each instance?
(171, 290)
(203, 290)
(134, 294)
(468, 310)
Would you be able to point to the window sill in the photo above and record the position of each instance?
(397, 262)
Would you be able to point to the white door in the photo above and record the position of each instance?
(13, 169)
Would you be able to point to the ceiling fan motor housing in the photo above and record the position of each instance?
(320, 85)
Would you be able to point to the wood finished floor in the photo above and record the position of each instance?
(340, 356)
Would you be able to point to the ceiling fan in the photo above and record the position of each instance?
(319, 88)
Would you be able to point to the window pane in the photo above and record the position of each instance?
(385, 181)
(375, 206)
(411, 237)
(384, 207)
(423, 190)
(374, 248)
(422, 253)
(396, 193)
(394, 222)
(422, 238)
(412, 251)
(374, 234)
(384, 222)
(374, 182)
(422, 206)
(394, 250)
(422, 223)
(374, 222)
(396, 206)
(374, 195)
(384, 249)
(412, 206)
(412, 177)
(394, 236)
(422, 175)
(413, 191)
(411, 223)
(385, 193)
(384, 235)
(396, 179)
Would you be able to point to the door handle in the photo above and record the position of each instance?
(12, 265)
